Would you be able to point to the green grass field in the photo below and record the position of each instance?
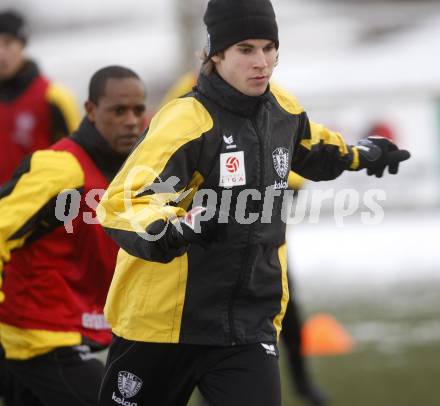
(396, 360)
(371, 378)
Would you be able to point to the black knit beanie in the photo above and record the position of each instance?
(232, 21)
(13, 24)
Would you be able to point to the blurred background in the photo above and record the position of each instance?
(360, 67)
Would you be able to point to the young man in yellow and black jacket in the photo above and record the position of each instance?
(56, 260)
(292, 322)
(200, 287)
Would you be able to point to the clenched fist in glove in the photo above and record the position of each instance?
(201, 225)
(376, 153)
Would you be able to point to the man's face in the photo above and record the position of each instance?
(120, 114)
(11, 56)
(248, 65)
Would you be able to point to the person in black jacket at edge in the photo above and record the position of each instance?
(200, 287)
(56, 260)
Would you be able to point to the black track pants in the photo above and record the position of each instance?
(67, 376)
(140, 374)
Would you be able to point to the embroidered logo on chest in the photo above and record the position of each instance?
(229, 141)
(280, 158)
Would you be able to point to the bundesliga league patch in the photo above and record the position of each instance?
(232, 169)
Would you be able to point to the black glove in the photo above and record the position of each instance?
(199, 226)
(376, 153)
(161, 236)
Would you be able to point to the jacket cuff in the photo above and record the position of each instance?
(355, 162)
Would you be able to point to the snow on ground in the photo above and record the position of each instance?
(405, 246)
(380, 281)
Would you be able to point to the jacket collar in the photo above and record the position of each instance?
(105, 158)
(14, 87)
(223, 94)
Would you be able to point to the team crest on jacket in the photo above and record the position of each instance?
(128, 384)
(281, 161)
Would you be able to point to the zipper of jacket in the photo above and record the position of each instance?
(250, 233)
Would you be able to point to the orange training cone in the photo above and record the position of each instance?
(323, 335)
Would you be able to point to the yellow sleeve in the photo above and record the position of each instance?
(295, 181)
(320, 154)
(64, 100)
(286, 100)
(126, 205)
(163, 165)
(47, 173)
(183, 86)
(319, 134)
